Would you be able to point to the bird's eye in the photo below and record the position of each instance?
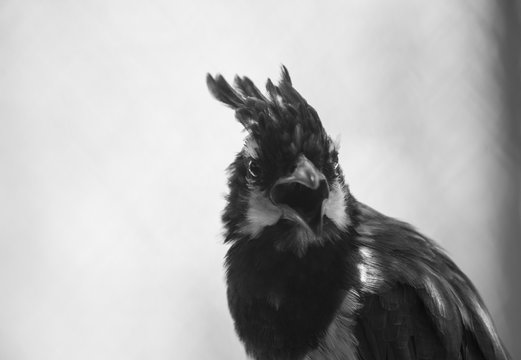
(254, 168)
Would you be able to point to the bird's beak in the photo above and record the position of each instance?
(301, 195)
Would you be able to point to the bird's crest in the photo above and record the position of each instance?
(281, 115)
(254, 110)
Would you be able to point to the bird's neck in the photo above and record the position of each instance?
(283, 302)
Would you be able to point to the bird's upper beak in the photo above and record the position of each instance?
(301, 195)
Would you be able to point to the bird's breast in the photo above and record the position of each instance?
(282, 302)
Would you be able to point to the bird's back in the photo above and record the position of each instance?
(415, 303)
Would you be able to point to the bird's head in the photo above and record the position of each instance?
(286, 178)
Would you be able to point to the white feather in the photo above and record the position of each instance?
(261, 213)
(251, 147)
(335, 206)
(370, 275)
(339, 341)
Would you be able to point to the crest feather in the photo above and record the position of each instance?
(282, 105)
(223, 92)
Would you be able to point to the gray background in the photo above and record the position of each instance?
(112, 154)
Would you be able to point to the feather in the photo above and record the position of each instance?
(223, 92)
(248, 89)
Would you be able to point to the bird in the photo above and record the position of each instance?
(311, 272)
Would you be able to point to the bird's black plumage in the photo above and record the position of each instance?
(314, 274)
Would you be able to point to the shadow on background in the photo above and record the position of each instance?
(509, 78)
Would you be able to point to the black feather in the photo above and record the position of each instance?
(448, 316)
(249, 90)
(223, 92)
(307, 289)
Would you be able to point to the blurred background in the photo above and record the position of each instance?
(112, 154)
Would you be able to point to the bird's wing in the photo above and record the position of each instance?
(416, 303)
(397, 325)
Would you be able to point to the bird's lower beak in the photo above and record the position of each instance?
(301, 195)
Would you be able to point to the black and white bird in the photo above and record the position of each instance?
(311, 272)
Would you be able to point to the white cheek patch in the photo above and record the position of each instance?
(335, 206)
(251, 148)
(261, 213)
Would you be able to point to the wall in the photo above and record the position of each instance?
(112, 156)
